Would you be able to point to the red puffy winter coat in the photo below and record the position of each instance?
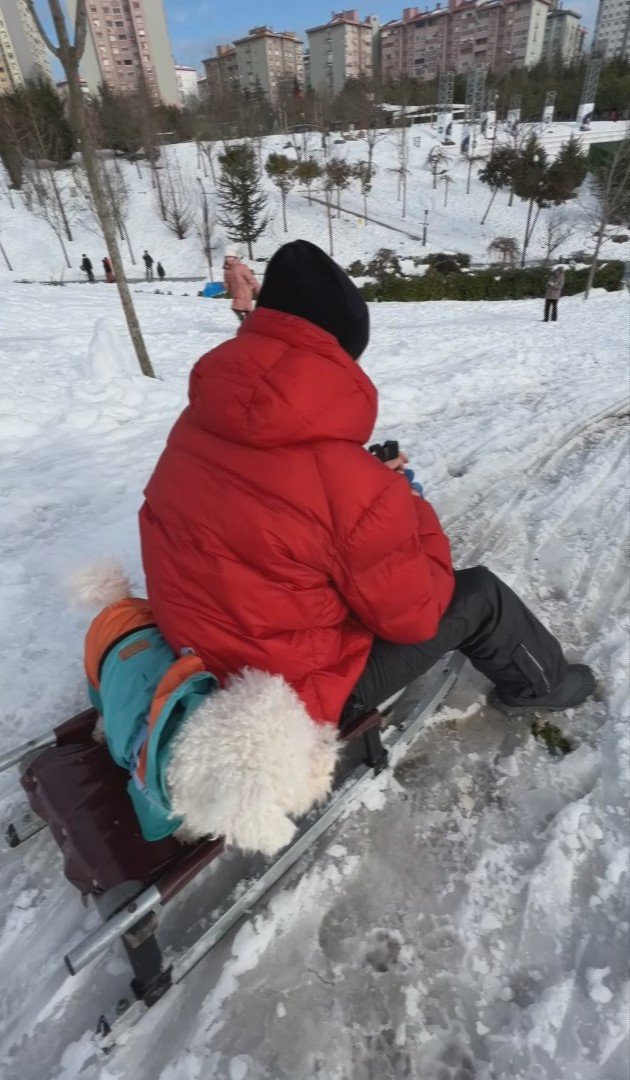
(270, 537)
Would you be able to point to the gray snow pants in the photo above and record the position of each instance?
(486, 622)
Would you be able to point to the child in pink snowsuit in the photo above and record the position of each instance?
(240, 284)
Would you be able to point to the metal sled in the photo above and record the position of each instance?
(74, 787)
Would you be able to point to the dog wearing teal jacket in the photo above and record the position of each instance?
(240, 761)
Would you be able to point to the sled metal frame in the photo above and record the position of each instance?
(396, 737)
(129, 910)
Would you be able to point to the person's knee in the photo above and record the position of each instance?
(479, 578)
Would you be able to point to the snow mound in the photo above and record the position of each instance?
(109, 357)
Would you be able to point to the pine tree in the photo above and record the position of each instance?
(567, 172)
(307, 172)
(240, 197)
(530, 181)
(497, 173)
(281, 171)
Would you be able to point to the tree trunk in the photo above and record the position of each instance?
(5, 257)
(284, 210)
(593, 266)
(435, 179)
(104, 214)
(526, 237)
(249, 248)
(511, 199)
(62, 211)
(489, 206)
(129, 247)
(339, 202)
(365, 206)
(445, 194)
(330, 225)
(404, 194)
(63, 248)
(469, 177)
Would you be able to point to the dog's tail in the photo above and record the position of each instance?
(99, 585)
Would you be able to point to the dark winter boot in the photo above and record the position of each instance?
(577, 685)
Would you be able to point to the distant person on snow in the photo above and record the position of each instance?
(555, 285)
(109, 270)
(273, 541)
(148, 264)
(161, 273)
(87, 268)
(240, 284)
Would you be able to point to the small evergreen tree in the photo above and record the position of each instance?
(364, 172)
(530, 182)
(506, 247)
(567, 172)
(281, 171)
(240, 197)
(497, 173)
(307, 172)
(338, 176)
(436, 163)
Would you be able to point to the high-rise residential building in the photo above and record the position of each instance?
(344, 48)
(564, 36)
(23, 53)
(612, 29)
(128, 46)
(495, 34)
(268, 60)
(187, 80)
(221, 72)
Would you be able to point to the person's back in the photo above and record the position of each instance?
(555, 284)
(240, 283)
(269, 534)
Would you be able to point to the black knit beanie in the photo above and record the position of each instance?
(302, 280)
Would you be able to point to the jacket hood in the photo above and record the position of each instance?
(282, 381)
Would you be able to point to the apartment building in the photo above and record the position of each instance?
(23, 54)
(268, 60)
(344, 48)
(495, 34)
(187, 83)
(416, 45)
(523, 33)
(612, 29)
(564, 36)
(221, 72)
(128, 46)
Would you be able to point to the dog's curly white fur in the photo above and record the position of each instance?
(249, 760)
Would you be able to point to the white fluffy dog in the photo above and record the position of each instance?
(248, 760)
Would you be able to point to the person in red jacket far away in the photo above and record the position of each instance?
(240, 284)
(272, 539)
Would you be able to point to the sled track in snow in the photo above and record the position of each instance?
(617, 410)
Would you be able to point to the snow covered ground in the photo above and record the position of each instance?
(472, 924)
(34, 251)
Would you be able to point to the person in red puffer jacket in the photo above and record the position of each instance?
(271, 539)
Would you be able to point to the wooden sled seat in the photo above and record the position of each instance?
(81, 794)
(79, 791)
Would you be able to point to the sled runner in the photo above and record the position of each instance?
(75, 788)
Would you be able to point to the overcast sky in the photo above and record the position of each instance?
(197, 26)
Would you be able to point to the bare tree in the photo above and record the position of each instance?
(505, 246)
(329, 187)
(612, 185)
(205, 225)
(176, 198)
(403, 163)
(447, 181)
(118, 194)
(3, 252)
(558, 229)
(45, 202)
(69, 54)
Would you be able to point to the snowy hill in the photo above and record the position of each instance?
(471, 923)
(34, 252)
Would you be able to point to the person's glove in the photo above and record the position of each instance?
(415, 485)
